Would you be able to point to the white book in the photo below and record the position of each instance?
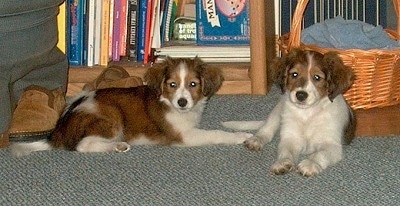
(90, 33)
(156, 36)
(97, 31)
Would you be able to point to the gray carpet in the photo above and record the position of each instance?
(212, 175)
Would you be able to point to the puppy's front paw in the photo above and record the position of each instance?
(253, 143)
(281, 167)
(122, 147)
(308, 168)
(242, 137)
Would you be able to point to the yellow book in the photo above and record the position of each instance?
(61, 24)
(105, 33)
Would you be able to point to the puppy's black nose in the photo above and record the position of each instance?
(301, 95)
(182, 102)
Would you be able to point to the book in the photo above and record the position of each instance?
(97, 31)
(133, 14)
(170, 18)
(184, 29)
(75, 31)
(147, 43)
(143, 4)
(223, 22)
(61, 25)
(105, 33)
(90, 24)
(163, 25)
(116, 30)
(123, 27)
(155, 41)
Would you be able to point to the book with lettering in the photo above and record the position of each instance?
(116, 31)
(75, 31)
(143, 4)
(105, 33)
(90, 25)
(222, 22)
(123, 27)
(133, 14)
(147, 37)
(97, 30)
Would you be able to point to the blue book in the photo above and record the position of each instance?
(142, 29)
(76, 10)
(164, 19)
(222, 23)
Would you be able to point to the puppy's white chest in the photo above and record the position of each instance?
(183, 121)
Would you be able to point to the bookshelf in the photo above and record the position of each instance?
(251, 78)
(242, 78)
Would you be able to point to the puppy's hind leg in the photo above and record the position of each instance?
(100, 144)
(103, 134)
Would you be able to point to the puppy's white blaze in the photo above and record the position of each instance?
(309, 88)
(182, 92)
(21, 149)
(313, 95)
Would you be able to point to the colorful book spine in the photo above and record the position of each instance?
(116, 30)
(147, 44)
(123, 27)
(110, 39)
(97, 31)
(90, 32)
(143, 4)
(105, 33)
(133, 14)
(165, 10)
(75, 31)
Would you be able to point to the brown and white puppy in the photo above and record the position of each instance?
(166, 111)
(313, 116)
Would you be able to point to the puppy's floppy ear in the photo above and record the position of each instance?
(155, 75)
(280, 68)
(339, 76)
(211, 77)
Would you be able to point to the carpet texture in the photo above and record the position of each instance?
(212, 175)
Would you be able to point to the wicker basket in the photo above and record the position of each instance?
(377, 71)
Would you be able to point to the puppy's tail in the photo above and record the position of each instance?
(243, 125)
(25, 148)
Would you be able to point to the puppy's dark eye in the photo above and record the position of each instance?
(294, 75)
(192, 84)
(316, 78)
(172, 84)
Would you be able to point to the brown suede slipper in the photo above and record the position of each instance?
(4, 140)
(113, 76)
(37, 113)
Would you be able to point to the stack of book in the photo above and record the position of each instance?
(100, 31)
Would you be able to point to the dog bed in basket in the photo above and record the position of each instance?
(377, 71)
